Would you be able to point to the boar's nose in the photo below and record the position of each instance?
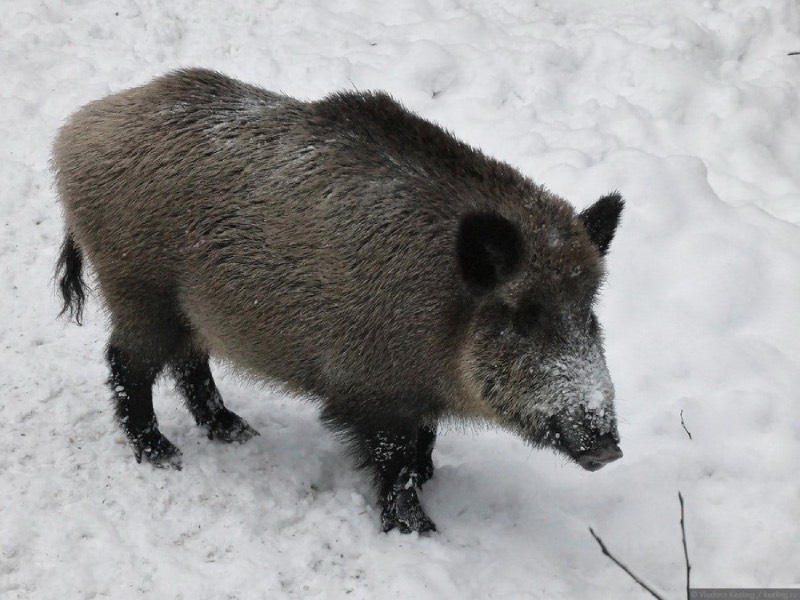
(604, 452)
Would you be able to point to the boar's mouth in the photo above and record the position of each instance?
(605, 451)
(603, 448)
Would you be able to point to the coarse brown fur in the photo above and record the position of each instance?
(346, 248)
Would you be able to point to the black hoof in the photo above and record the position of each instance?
(229, 427)
(403, 511)
(157, 450)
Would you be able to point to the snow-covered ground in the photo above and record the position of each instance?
(690, 108)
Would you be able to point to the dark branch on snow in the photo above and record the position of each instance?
(622, 566)
(685, 550)
(634, 577)
(684, 426)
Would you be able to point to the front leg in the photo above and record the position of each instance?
(388, 445)
(394, 456)
(426, 439)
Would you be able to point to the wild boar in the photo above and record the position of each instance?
(346, 248)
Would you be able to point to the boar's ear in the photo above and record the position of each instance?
(489, 250)
(601, 220)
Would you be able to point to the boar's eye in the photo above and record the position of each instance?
(529, 318)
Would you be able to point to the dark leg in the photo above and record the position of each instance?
(147, 332)
(387, 446)
(193, 376)
(132, 383)
(393, 454)
(426, 438)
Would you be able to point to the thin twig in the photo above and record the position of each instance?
(622, 566)
(684, 426)
(685, 550)
(793, 54)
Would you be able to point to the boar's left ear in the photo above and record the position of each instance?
(601, 220)
(489, 250)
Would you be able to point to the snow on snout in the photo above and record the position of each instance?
(582, 385)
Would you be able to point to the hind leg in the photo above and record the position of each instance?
(131, 381)
(147, 331)
(193, 376)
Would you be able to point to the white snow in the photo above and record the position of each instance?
(690, 108)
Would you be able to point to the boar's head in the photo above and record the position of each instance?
(533, 348)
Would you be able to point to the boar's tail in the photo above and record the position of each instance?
(69, 273)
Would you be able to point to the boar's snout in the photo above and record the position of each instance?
(605, 451)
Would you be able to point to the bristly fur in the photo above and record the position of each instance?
(345, 248)
(71, 284)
